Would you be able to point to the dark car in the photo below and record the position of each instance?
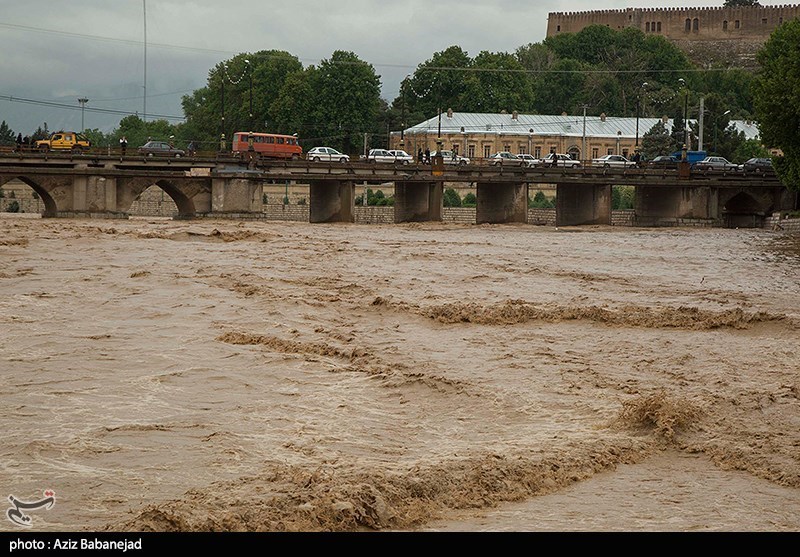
(757, 164)
(664, 161)
(160, 149)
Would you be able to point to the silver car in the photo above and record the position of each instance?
(613, 161)
(451, 157)
(327, 154)
(384, 155)
(504, 158)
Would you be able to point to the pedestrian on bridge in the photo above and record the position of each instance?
(123, 144)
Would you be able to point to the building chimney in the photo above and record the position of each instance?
(449, 112)
(665, 119)
(603, 117)
(514, 115)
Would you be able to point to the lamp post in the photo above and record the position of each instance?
(464, 136)
(222, 110)
(685, 112)
(250, 75)
(716, 127)
(619, 137)
(530, 141)
(638, 105)
(403, 113)
(82, 101)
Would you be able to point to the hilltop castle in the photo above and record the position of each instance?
(707, 35)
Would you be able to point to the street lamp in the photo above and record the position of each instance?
(82, 101)
(250, 74)
(619, 137)
(530, 141)
(716, 127)
(222, 110)
(638, 103)
(403, 113)
(685, 112)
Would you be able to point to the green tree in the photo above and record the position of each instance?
(777, 99)
(7, 136)
(347, 93)
(439, 83)
(736, 3)
(658, 141)
(498, 82)
(266, 70)
(470, 200)
(541, 201)
(451, 198)
(749, 149)
(622, 198)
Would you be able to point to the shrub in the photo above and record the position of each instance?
(264, 199)
(541, 201)
(2, 193)
(285, 199)
(301, 201)
(622, 198)
(470, 200)
(451, 198)
(13, 207)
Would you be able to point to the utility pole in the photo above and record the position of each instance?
(82, 101)
(583, 146)
(144, 12)
(700, 135)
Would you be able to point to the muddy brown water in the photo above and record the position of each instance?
(216, 375)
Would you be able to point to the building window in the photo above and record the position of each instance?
(696, 24)
(487, 151)
(625, 152)
(647, 27)
(507, 148)
(471, 151)
(455, 148)
(522, 150)
(763, 21)
(537, 152)
(552, 148)
(609, 151)
(688, 25)
(725, 25)
(558, 28)
(736, 24)
(595, 152)
(658, 27)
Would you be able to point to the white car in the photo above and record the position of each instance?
(401, 156)
(558, 159)
(450, 157)
(327, 154)
(504, 158)
(613, 161)
(530, 160)
(384, 155)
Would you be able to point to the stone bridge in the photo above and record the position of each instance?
(106, 186)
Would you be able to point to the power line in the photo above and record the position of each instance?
(52, 104)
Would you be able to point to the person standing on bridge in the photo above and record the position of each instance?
(123, 144)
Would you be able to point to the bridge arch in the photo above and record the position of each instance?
(744, 210)
(129, 189)
(50, 208)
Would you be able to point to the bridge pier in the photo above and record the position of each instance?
(331, 201)
(583, 204)
(501, 202)
(656, 206)
(236, 195)
(417, 201)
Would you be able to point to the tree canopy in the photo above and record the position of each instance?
(777, 99)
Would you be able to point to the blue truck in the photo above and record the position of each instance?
(692, 156)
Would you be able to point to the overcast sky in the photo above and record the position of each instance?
(60, 51)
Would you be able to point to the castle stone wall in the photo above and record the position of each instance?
(752, 24)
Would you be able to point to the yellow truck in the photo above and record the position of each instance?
(64, 141)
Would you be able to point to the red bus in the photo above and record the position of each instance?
(271, 145)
